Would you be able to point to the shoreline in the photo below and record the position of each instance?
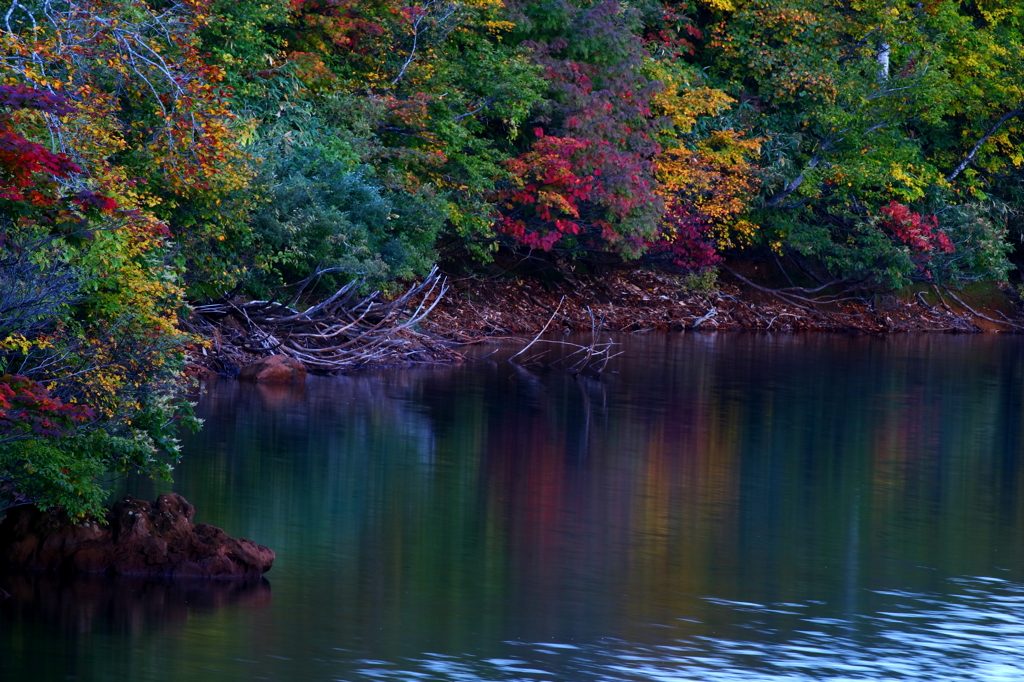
(649, 300)
(477, 310)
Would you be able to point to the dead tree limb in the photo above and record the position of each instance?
(541, 332)
(341, 333)
(1014, 113)
(805, 303)
(594, 356)
(974, 312)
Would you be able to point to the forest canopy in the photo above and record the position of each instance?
(154, 154)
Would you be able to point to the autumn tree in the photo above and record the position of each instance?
(868, 103)
(407, 105)
(110, 122)
(587, 180)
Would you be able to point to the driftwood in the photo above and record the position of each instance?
(344, 332)
(589, 358)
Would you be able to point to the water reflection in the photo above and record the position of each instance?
(91, 604)
(723, 507)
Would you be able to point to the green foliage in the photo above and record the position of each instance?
(863, 104)
(53, 473)
(95, 146)
(426, 95)
(62, 471)
(323, 214)
(702, 282)
(245, 40)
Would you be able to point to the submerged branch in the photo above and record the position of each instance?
(595, 355)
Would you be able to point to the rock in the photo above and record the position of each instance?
(277, 369)
(200, 373)
(144, 539)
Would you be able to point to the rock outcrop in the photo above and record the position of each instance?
(142, 539)
(277, 369)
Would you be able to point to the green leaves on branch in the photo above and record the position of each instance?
(867, 103)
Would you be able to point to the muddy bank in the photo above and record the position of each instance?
(641, 300)
(744, 298)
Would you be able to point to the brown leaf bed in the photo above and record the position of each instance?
(431, 320)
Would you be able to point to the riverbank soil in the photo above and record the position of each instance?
(745, 297)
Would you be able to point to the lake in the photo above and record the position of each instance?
(716, 507)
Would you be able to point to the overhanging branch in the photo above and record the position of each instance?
(984, 138)
(794, 184)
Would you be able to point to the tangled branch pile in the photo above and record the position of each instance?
(342, 333)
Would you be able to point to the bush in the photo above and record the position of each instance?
(323, 213)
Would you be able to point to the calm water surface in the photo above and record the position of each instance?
(724, 507)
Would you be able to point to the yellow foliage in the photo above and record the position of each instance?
(907, 182)
(681, 100)
(720, 5)
(19, 344)
(719, 179)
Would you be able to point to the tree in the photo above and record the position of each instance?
(588, 179)
(415, 102)
(865, 104)
(108, 117)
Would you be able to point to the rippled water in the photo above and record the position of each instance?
(723, 507)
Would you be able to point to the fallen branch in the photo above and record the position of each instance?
(541, 332)
(974, 312)
(595, 355)
(705, 317)
(793, 299)
(339, 334)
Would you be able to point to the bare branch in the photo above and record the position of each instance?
(984, 138)
(974, 312)
(541, 332)
(794, 184)
(336, 335)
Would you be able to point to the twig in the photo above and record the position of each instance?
(550, 320)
